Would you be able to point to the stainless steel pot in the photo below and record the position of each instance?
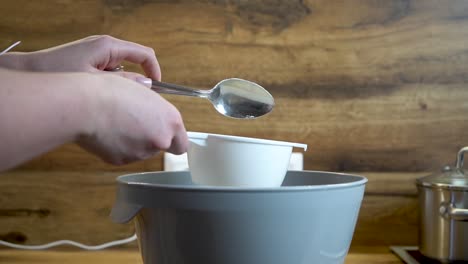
(443, 204)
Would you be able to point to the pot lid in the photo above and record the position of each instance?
(450, 177)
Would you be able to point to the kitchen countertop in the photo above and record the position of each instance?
(121, 256)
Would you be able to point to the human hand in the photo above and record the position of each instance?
(91, 54)
(133, 123)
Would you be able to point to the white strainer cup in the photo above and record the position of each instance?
(222, 160)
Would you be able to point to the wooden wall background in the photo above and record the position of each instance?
(372, 86)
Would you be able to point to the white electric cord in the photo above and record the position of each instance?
(11, 46)
(72, 243)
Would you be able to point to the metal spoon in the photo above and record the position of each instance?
(233, 97)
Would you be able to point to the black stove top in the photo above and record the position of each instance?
(411, 255)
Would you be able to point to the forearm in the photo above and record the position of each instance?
(39, 112)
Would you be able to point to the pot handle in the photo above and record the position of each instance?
(459, 164)
(448, 210)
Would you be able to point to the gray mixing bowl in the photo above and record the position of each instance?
(310, 219)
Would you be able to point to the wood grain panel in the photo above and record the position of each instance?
(368, 85)
(44, 207)
(413, 129)
(381, 87)
(387, 220)
(40, 207)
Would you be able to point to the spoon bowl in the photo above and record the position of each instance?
(236, 98)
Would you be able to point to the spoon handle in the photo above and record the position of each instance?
(169, 88)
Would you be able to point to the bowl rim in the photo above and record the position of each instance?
(204, 188)
(204, 136)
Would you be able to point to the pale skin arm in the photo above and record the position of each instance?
(39, 112)
(114, 118)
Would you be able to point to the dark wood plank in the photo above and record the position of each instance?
(389, 133)
(381, 87)
(44, 207)
(71, 256)
(40, 207)
(386, 184)
(387, 220)
(370, 255)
